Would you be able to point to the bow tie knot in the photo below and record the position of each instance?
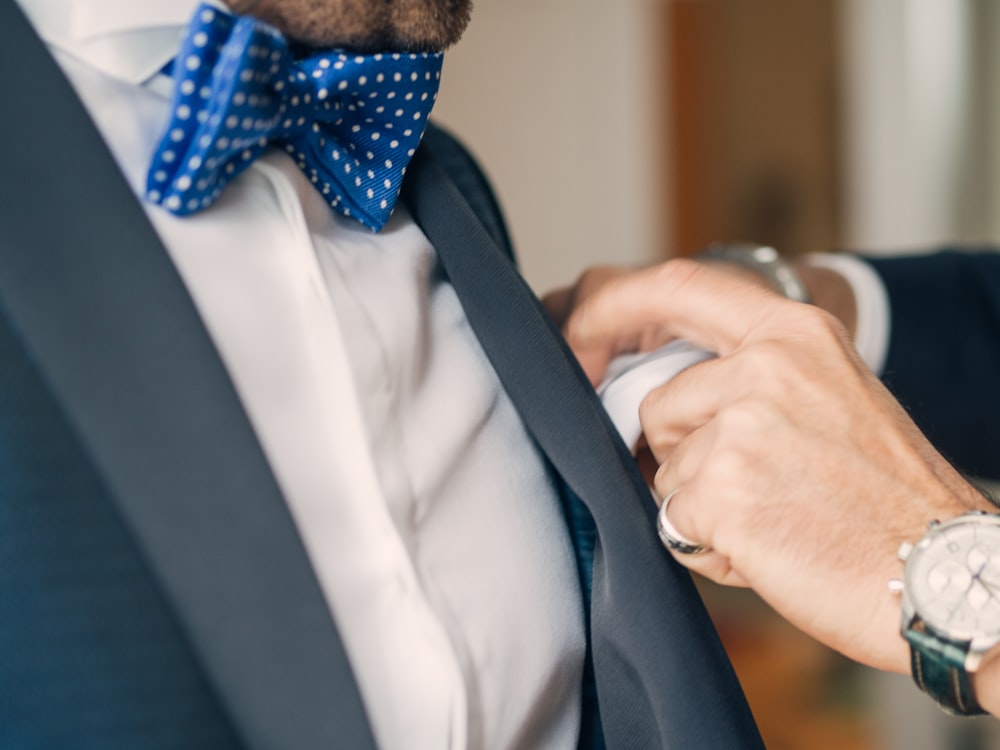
(350, 122)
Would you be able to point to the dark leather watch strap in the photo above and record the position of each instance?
(938, 668)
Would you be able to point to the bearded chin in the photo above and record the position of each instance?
(364, 25)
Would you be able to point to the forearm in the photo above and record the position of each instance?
(987, 685)
(832, 292)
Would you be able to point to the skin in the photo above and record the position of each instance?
(792, 461)
(364, 25)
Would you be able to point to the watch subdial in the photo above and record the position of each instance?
(943, 591)
(949, 579)
(984, 562)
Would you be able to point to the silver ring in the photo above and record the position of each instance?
(671, 538)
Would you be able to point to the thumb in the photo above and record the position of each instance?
(677, 299)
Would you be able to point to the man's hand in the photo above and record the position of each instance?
(791, 460)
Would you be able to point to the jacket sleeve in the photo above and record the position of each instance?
(943, 362)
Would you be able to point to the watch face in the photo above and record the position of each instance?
(953, 579)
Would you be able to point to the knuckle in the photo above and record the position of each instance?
(740, 452)
(575, 325)
(654, 416)
(593, 297)
(651, 408)
(675, 273)
(769, 358)
(592, 278)
(763, 365)
(693, 469)
(714, 566)
(727, 467)
(580, 329)
(817, 324)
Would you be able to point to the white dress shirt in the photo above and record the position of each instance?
(428, 515)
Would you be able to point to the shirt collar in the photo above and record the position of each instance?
(127, 39)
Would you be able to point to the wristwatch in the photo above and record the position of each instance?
(763, 260)
(951, 606)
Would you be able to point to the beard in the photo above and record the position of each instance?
(364, 25)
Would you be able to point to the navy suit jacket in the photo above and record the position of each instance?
(944, 351)
(154, 592)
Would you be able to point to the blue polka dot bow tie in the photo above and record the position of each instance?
(350, 122)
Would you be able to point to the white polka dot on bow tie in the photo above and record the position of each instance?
(274, 97)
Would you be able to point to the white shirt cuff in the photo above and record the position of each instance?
(871, 334)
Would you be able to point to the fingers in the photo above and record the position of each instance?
(680, 298)
(671, 537)
(714, 567)
(701, 472)
(694, 555)
(560, 304)
(681, 470)
(684, 404)
(736, 387)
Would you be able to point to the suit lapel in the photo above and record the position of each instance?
(97, 301)
(683, 693)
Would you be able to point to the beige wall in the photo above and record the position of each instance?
(553, 96)
(922, 113)
(909, 123)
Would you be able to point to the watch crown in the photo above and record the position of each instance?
(895, 586)
(933, 523)
(904, 551)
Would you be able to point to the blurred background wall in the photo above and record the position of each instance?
(630, 130)
(627, 131)
(920, 110)
(563, 102)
